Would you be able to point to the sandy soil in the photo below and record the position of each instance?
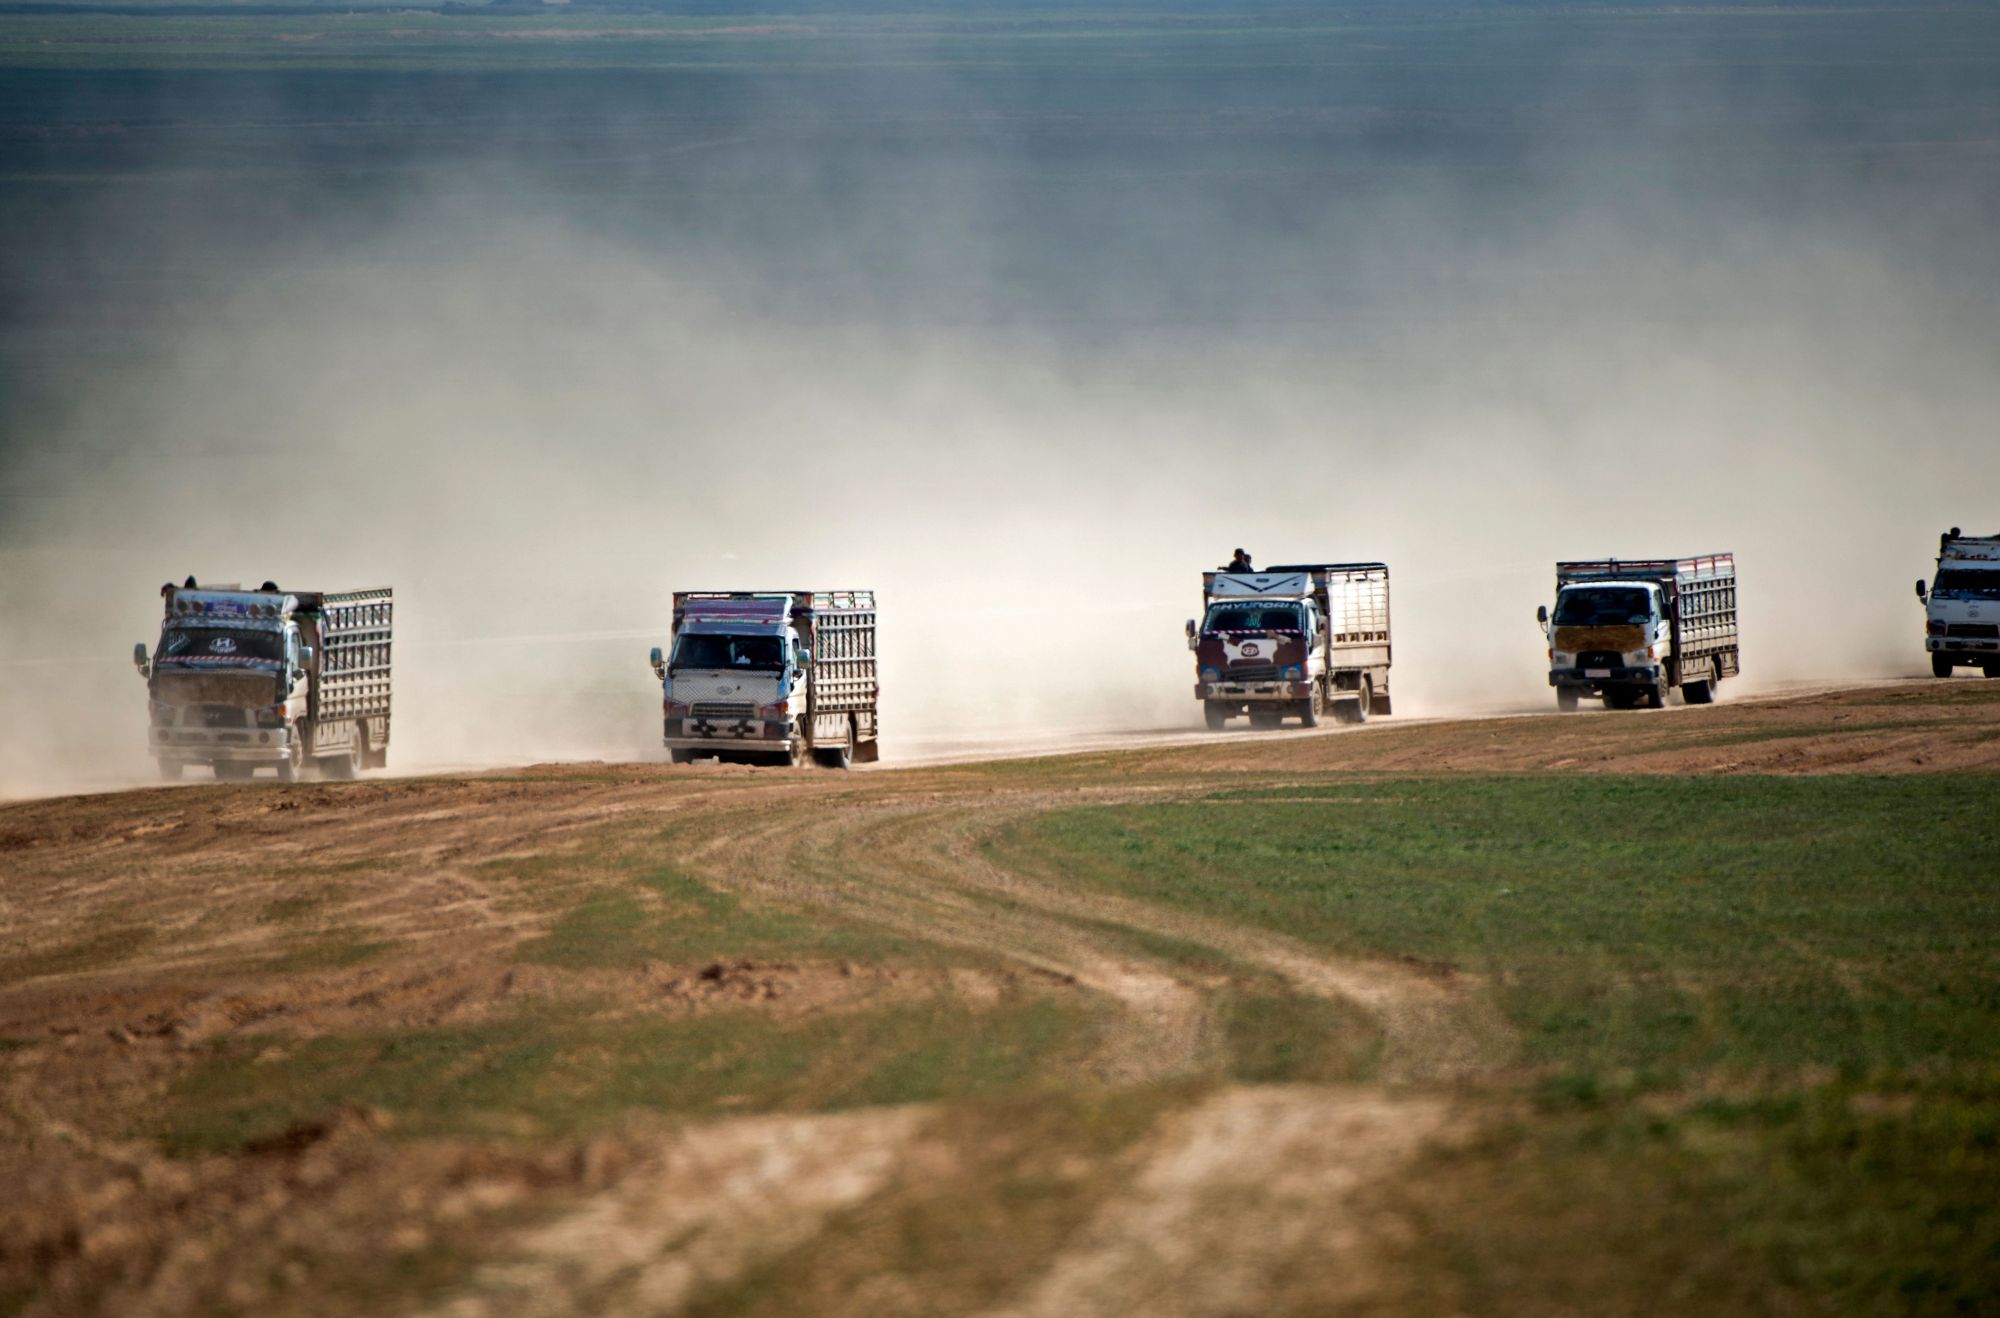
(137, 930)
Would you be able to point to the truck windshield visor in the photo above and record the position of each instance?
(698, 650)
(1252, 618)
(1968, 583)
(1604, 606)
(220, 645)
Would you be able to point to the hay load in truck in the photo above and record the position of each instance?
(784, 677)
(1295, 641)
(279, 679)
(1633, 630)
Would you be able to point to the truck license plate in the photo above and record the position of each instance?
(1597, 672)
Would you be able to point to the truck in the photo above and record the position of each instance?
(290, 680)
(1962, 605)
(1633, 630)
(784, 677)
(1293, 641)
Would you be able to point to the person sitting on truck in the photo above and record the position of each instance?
(1240, 563)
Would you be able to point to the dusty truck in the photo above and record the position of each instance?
(773, 676)
(1295, 641)
(1962, 606)
(269, 678)
(1632, 630)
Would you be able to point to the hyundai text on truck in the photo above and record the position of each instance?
(1632, 630)
(1293, 642)
(269, 678)
(1962, 606)
(775, 676)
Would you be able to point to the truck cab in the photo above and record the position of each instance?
(738, 683)
(229, 683)
(1296, 641)
(1962, 605)
(1611, 634)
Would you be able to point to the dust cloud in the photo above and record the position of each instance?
(535, 428)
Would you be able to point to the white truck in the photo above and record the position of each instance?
(1962, 605)
(1294, 641)
(771, 676)
(269, 678)
(1632, 630)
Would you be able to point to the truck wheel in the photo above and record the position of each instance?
(171, 769)
(1701, 692)
(801, 756)
(1991, 670)
(1312, 707)
(1215, 714)
(345, 765)
(1656, 694)
(837, 757)
(1566, 699)
(1941, 666)
(294, 767)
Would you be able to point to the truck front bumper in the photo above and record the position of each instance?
(707, 734)
(1618, 675)
(1253, 691)
(1975, 651)
(228, 746)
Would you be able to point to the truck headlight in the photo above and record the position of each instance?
(1211, 674)
(781, 710)
(1639, 658)
(1935, 627)
(1295, 673)
(1562, 658)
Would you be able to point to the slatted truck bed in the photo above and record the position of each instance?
(771, 676)
(286, 680)
(1633, 630)
(1295, 641)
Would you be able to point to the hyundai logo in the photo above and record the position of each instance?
(223, 645)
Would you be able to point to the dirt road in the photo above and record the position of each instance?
(155, 939)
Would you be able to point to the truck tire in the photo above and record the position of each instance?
(1566, 699)
(1701, 691)
(1991, 670)
(801, 756)
(1941, 665)
(835, 757)
(1312, 707)
(294, 767)
(347, 764)
(1656, 694)
(1215, 714)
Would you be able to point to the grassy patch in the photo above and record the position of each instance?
(1279, 1038)
(666, 916)
(330, 950)
(560, 1072)
(1649, 926)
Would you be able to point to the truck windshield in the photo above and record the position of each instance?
(706, 651)
(219, 645)
(1252, 618)
(1968, 583)
(1604, 606)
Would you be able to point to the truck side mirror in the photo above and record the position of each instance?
(1542, 614)
(1921, 594)
(805, 658)
(1193, 640)
(140, 661)
(659, 663)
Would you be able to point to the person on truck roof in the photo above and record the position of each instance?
(1240, 563)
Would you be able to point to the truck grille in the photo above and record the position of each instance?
(723, 709)
(1984, 631)
(1251, 673)
(1600, 659)
(224, 716)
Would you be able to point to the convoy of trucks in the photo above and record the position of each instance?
(776, 676)
(268, 678)
(298, 680)
(1294, 641)
(1962, 606)
(1633, 630)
